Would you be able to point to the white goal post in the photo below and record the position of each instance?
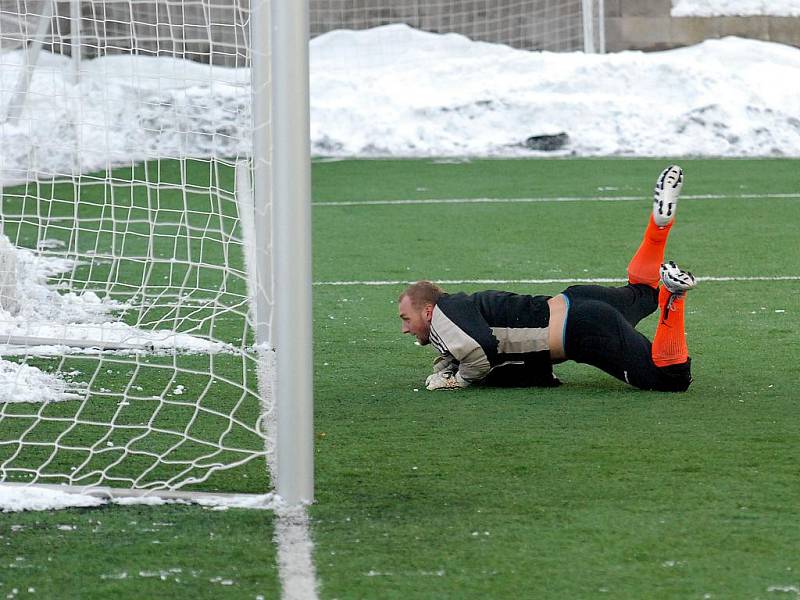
(291, 202)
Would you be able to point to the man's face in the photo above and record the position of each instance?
(416, 321)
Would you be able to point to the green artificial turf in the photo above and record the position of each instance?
(174, 551)
(590, 490)
(593, 489)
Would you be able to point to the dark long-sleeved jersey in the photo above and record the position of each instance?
(486, 330)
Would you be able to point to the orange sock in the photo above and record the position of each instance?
(669, 343)
(644, 265)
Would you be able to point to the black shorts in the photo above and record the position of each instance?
(600, 331)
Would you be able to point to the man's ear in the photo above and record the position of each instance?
(428, 312)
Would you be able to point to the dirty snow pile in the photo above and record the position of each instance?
(124, 109)
(735, 8)
(446, 95)
(35, 310)
(19, 498)
(397, 91)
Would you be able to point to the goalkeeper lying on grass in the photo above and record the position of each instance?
(501, 338)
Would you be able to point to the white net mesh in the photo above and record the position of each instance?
(129, 360)
(528, 24)
(135, 307)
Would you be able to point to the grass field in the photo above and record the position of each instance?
(592, 489)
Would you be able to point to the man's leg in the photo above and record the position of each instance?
(599, 335)
(645, 264)
(634, 301)
(639, 298)
(669, 343)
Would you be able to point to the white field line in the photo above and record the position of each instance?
(296, 569)
(568, 281)
(295, 566)
(534, 199)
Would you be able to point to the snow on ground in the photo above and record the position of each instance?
(125, 108)
(743, 8)
(20, 498)
(446, 95)
(24, 383)
(42, 312)
(396, 91)
(16, 499)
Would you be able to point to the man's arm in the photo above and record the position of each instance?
(456, 337)
(444, 363)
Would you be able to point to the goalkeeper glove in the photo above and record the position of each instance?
(446, 380)
(443, 364)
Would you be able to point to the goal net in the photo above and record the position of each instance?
(130, 343)
(136, 347)
(553, 25)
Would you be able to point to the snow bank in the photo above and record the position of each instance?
(735, 8)
(397, 91)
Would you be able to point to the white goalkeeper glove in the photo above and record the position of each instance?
(445, 380)
(443, 364)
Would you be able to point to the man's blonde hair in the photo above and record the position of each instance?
(422, 293)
